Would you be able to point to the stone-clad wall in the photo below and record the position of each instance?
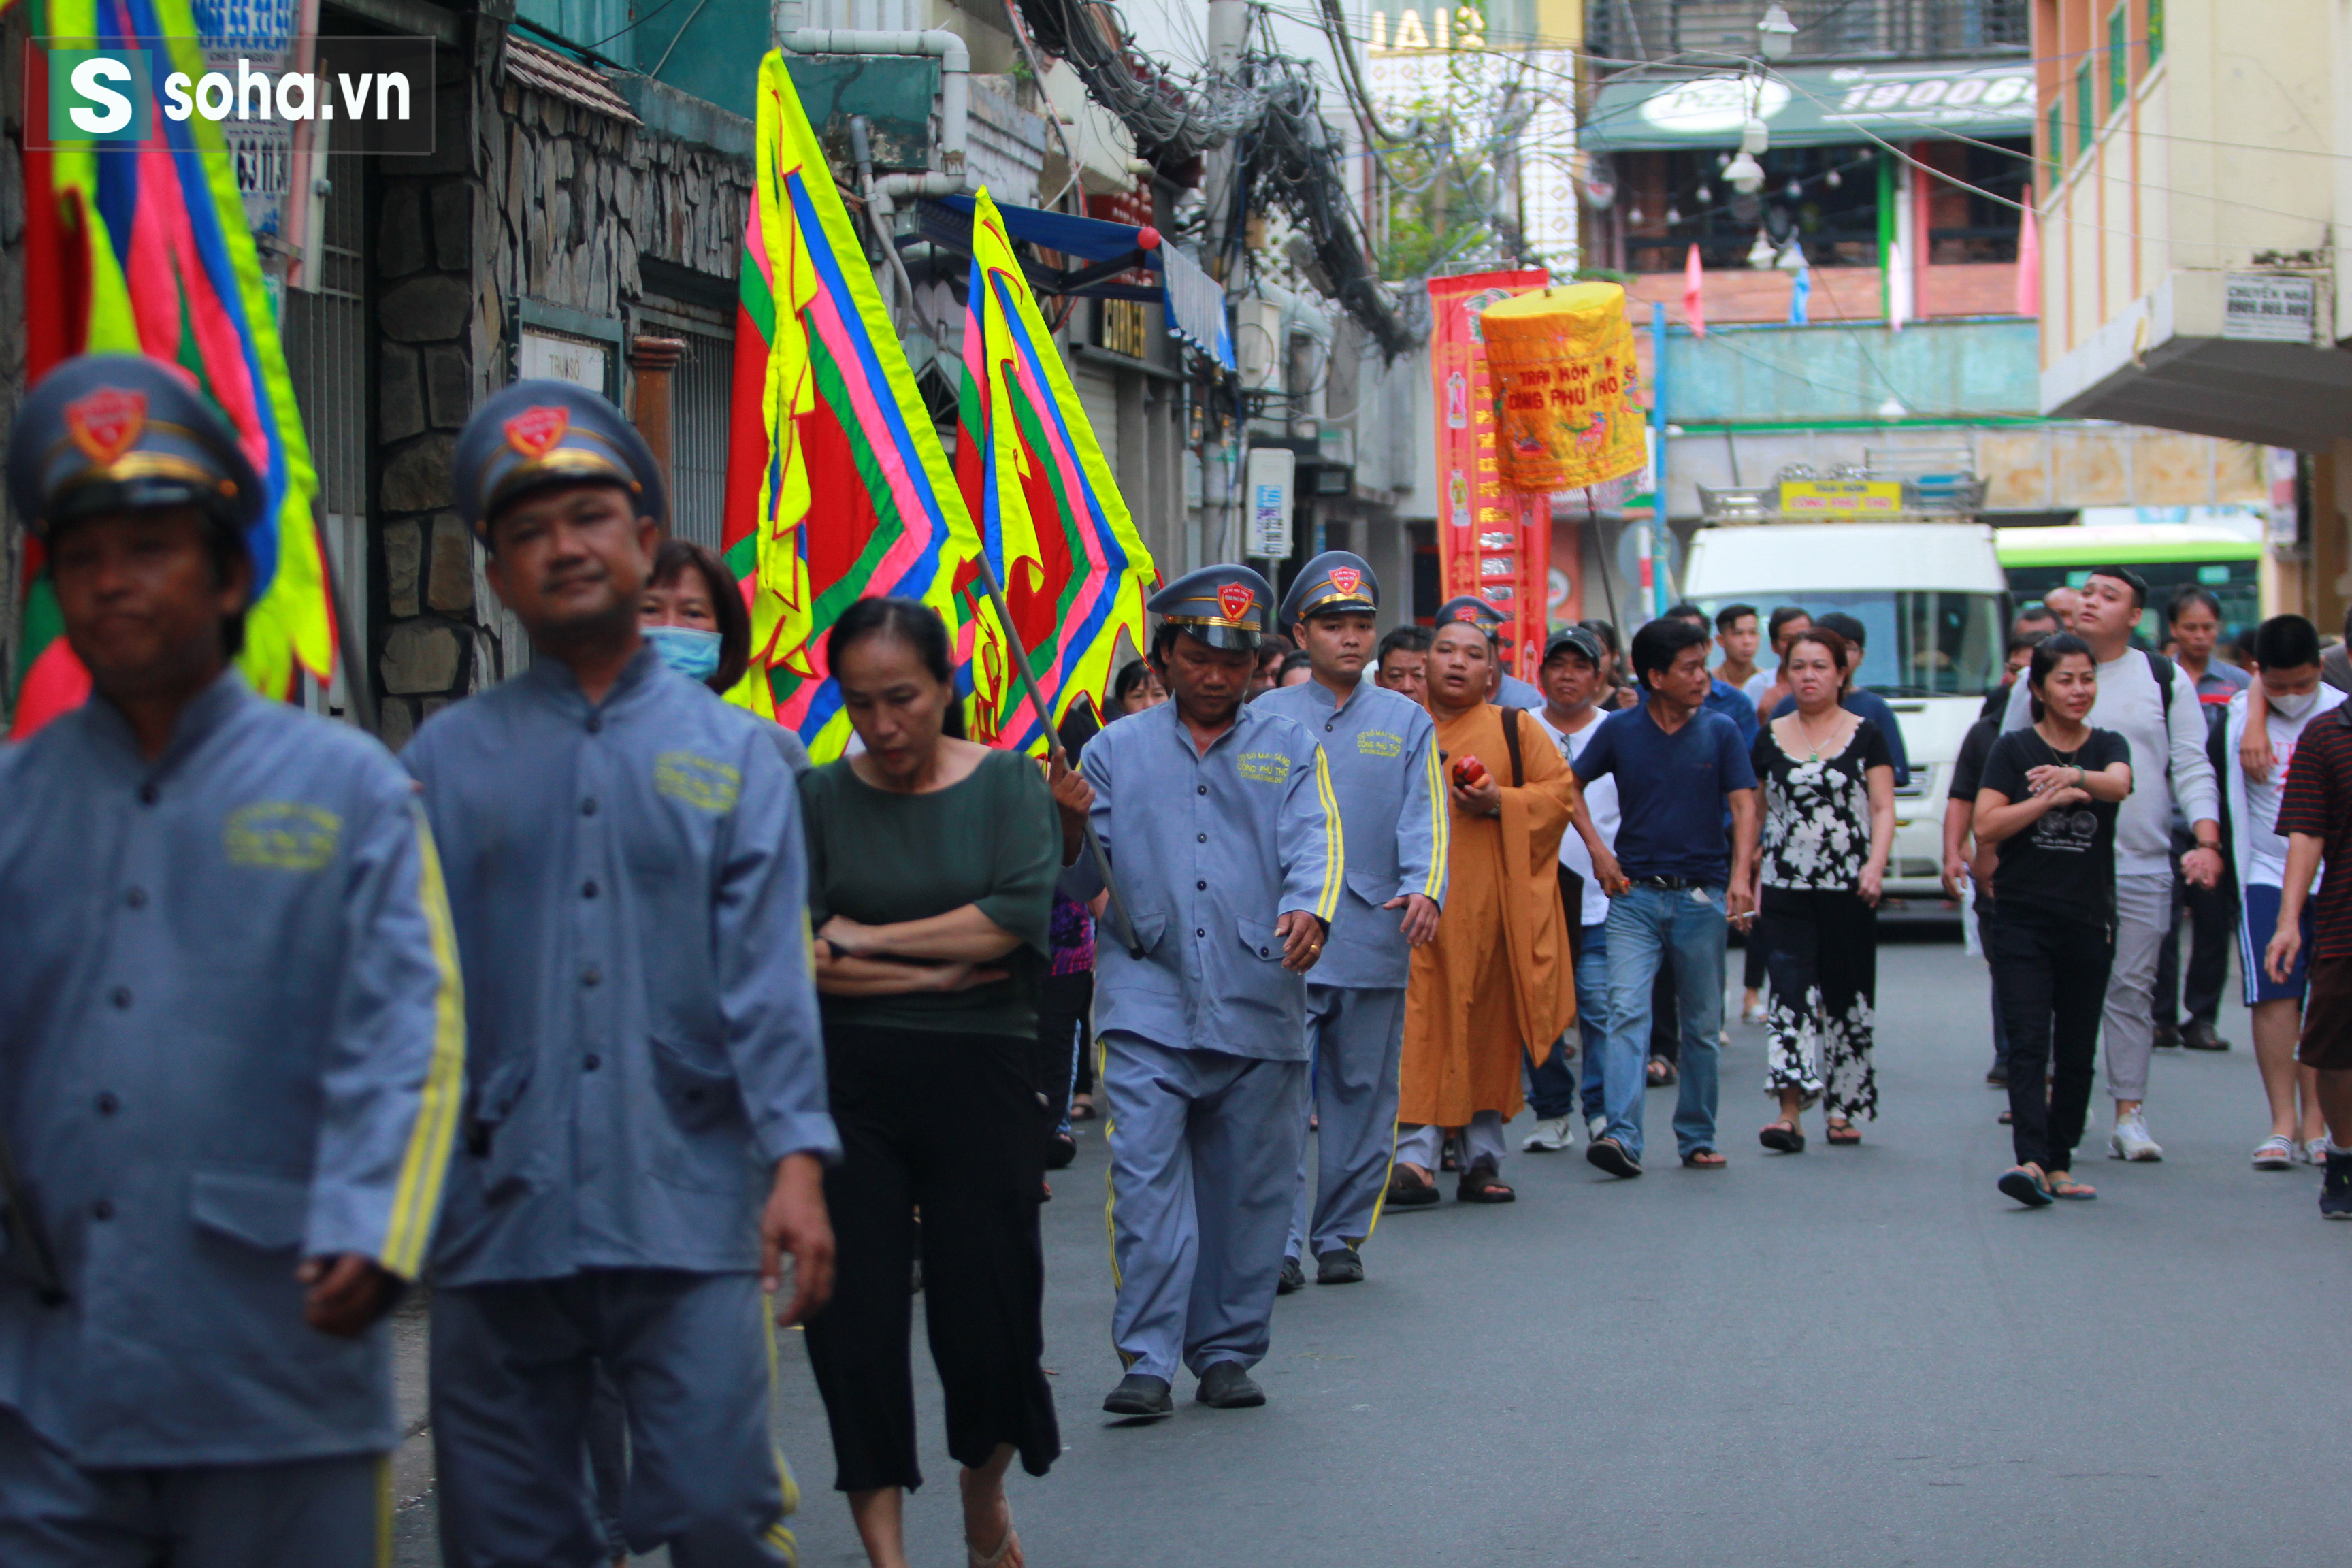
(540, 198)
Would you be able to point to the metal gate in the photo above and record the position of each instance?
(700, 389)
(325, 331)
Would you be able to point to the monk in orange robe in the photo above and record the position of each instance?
(1499, 978)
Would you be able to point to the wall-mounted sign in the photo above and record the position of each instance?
(1841, 497)
(2269, 307)
(1812, 106)
(551, 356)
(1272, 471)
(1445, 27)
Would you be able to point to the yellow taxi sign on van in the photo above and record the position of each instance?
(1841, 497)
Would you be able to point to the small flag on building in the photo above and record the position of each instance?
(1694, 297)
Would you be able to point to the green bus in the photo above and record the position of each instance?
(2223, 560)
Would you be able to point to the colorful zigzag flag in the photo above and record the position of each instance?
(143, 247)
(837, 486)
(1059, 538)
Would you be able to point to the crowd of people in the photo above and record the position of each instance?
(637, 1034)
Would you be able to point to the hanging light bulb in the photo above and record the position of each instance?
(1746, 174)
(1721, 158)
(1793, 259)
(1673, 216)
(1705, 195)
(1634, 215)
(1892, 408)
(1755, 136)
(1776, 34)
(1833, 179)
(1795, 189)
(1759, 254)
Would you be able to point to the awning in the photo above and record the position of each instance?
(1195, 305)
(1818, 105)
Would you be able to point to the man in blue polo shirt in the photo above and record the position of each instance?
(1678, 880)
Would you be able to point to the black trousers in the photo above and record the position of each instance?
(949, 1124)
(2213, 931)
(1062, 1065)
(2052, 977)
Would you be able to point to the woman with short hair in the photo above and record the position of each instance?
(693, 615)
(931, 870)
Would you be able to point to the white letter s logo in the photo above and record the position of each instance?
(90, 80)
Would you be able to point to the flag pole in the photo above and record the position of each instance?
(1020, 657)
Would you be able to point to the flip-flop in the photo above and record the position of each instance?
(1705, 1159)
(2023, 1184)
(1782, 1137)
(2073, 1191)
(1845, 1135)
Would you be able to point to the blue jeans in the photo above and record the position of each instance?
(1644, 923)
(1555, 1085)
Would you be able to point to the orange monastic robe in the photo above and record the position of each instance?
(1498, 974)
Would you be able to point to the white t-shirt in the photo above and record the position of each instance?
(1599, 799)
(2265, 849)
(1756, 685)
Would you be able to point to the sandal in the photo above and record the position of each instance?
(2025, 1186)
(1784, 1137)
(2275, 1153)
(1704, 1160)
(1407, 1191)
(1662, 1072)
(1845, 1134)
(1006, 1555)
(1082, 1109)
(2067, 1187)
(1480, 1184)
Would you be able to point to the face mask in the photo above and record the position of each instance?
(690, 650)
(2293, 704)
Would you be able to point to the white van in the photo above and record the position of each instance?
(1931, 596)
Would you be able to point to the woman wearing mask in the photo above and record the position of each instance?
(693, 615)
(932, 871)
(2048, 807)
(1829, 824)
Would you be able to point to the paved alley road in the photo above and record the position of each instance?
(1848, 1357)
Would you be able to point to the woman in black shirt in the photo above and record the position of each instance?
(2048, 807)
(1828, 777)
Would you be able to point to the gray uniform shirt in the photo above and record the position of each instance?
(231, 1037)
(1208, 850)
(629, 886)
(2132, 704)
(1381, 749)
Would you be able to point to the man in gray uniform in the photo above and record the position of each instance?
(1225, 843)
(231, 1039)
(645, 1116)
(1382, 752)
(1507, 691)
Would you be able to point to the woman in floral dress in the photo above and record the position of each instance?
(1829, 822)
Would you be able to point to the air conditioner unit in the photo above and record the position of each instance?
(1257, 343)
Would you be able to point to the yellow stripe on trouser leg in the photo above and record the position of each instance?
(1110, 1193)
(383, 1512)
(776, 1534)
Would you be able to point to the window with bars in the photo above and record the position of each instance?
(701, 392)
(2118, 59)
(2155, 31)
(2086, 123)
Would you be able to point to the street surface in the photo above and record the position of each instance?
(1861, 1356)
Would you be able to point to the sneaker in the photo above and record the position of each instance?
(1294, 1278)
(2200, 1036)
(2335, 1193)
(2130, 1140)
(1550, 1135)
(1596, 1127)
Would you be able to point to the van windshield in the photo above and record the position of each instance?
(1923, 643)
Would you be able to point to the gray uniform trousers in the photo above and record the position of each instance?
(1359, 1035)
(1205, 1152)
(304, 1513)
(513, 1371)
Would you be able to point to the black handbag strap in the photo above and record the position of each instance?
(1511, 740)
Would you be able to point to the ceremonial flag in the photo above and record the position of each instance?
(1055, 530)
(143, 247)
(837, 486)
(1693, 298)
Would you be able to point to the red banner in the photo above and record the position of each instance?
(1491, 541)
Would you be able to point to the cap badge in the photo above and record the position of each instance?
(1347, 579)
(1235, 599)
(535, 431)
(106, 423)
(1466, 613)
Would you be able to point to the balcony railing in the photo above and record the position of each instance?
(1826, 29)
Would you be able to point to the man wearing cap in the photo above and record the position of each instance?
(1225, 843)
(645, 1118)
(230, 1035)
(1504, 690)
(1381, 751)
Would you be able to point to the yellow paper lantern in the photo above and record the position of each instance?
(1566, 386)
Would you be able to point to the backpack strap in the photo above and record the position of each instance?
(2166, 673)
(1511, 740)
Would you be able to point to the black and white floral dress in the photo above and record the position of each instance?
(1820, 938)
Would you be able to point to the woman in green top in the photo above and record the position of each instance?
(932, 871)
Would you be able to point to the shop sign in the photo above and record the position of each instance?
(1841, 497)
(2269, 307)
